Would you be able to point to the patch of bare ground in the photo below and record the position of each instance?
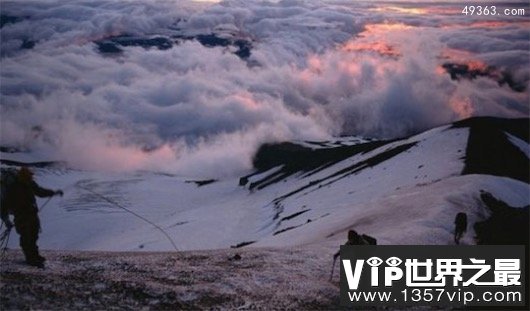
(257, 279)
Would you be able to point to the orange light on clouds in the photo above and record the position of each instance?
(464, 58)
(440, 71)
(381, 28)
(444, 10)
(345, 63)
(455, 54)
(491, 24)
(247, 100)
(462, 106)
(380, 48)
(476, 65)
(397, 9)
(314, 64)
(497, 24)
(378, 38)
(441, 10)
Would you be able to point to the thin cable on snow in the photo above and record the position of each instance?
(133, 213)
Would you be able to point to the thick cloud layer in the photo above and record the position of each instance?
(316, 69)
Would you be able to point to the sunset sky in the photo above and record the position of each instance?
(316, 69)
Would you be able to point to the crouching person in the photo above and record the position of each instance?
(353, 239)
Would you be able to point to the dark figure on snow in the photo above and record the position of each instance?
(20, 201)
(460, 226)
(353, 239)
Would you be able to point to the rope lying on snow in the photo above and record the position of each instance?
(45, 203)
(4, 241)
(131, 212)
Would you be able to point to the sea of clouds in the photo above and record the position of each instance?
(317, 69)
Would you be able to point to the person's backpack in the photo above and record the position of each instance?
(461, 222)
(368, 240)
(8, 177)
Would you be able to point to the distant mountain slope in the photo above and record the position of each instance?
(489, 144)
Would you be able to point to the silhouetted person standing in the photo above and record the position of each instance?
(460, 226)
(20, 201)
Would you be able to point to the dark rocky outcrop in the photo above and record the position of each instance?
(502, 77)
(507, 225)
(115, 44)
(41, 164)
(489, 150)
(295, 158)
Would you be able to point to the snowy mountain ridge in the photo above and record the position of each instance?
(405, 191)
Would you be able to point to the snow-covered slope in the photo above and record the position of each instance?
(404, 191)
